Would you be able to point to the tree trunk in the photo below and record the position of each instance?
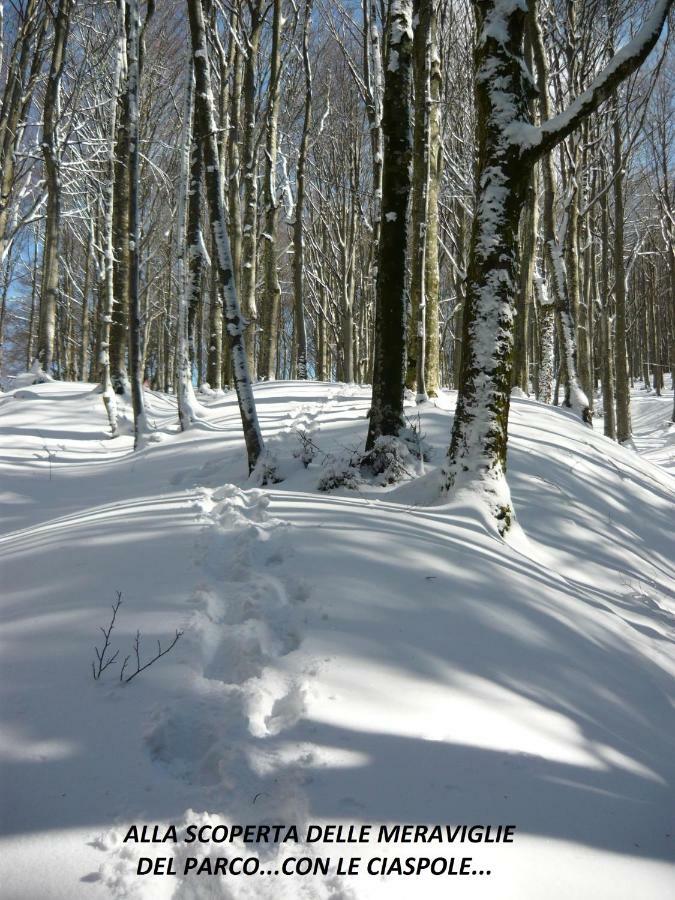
(272, 295)
(249, 242)
(608, 402)
(85, 317)
(623, 425)
(298, 225)
(386, 413)
(205, 132)
(119, 330)
(528, 230)
(560, 294)
(528, 244)
(52, 164)
(422, 11)
(23, 72)
(478, 447)
(424, 278)
(373, 82)
(187, 405)
(135, 309)
(432, 271)
(234, 165)
(546, 374)
(508, 146)
(110, 198)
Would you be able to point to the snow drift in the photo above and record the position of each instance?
(355, 657)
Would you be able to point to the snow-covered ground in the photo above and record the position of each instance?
(358, 657)
(654, 435)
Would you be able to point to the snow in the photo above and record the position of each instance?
(400, 15)
(653, 429)
(401, 22)
(495, 25)
(359, 657)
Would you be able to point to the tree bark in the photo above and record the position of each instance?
(386, 413)
(249, 242)
(560, 293)
(623, 423)
(272, 294)
(205, 132)
(135, 308)
(608, 401)
(478, 446)
(52, 163)
(298, 225)
(432, 380)
(187, 406)
(119, 329)
(105, 334)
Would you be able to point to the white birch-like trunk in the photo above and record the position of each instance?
(205, 131)
(187, 402)
(107, 390)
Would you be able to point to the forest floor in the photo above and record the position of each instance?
(361, 656)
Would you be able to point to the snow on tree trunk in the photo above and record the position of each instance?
(508, 146)
(478, 447)
(386, 413)
(205, 131)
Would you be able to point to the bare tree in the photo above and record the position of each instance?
(386, 413)
(205, 134)
(51, 153)
(298, 226)
(508, 147)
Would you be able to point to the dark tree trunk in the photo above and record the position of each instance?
(272, 295)
(135, 309)
(386, 413)
(623, 424)
(298, 233)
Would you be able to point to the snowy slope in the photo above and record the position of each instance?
(356, 657)
(654, 431)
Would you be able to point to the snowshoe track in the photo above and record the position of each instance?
(246, 619)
